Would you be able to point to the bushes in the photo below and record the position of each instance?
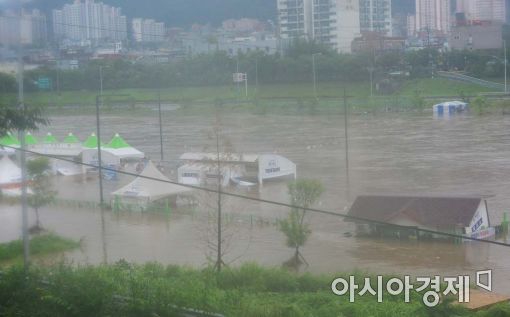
(155, 290)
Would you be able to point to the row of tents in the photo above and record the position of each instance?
(10, 140)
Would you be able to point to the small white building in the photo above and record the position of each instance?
(202, 168)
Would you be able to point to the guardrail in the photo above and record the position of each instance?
(473, 80)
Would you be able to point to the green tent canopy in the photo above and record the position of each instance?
(118, 143)
(91, 142)
(9, 140)
(30, 139)
(49, 138)
(71, 138)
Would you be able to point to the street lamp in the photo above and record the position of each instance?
(314, 75)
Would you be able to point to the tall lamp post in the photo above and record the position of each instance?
(314, 71)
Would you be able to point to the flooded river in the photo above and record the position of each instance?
(390, 153)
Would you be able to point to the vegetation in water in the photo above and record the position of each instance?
(39, 245)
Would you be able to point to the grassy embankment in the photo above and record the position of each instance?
(211, 94)
(155, 290)
(12, 252)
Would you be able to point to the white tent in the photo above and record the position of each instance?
(143, 191)
(10, 173)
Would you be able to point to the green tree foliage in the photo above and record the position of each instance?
(479, 104)
(418, 101)
(303, 193)
(42, 192)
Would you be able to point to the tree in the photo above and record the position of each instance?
(42, 193)
(303, 193)
(418, 101)
(479, 104)
(12, 118)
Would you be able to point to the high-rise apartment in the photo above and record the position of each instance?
(483, 10)
(148, 30)
(375, 16)
(32, 28)
(331, 22)
(89, 20)
(433, 15)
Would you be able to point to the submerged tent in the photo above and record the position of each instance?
(10, 141)
(120, 148)
(71, 138)
(143, 191)
(91, 142)
(10, 173)
(30, 139)
(50, 139)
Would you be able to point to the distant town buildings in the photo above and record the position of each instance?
(32, 28)
(148, 30)
(375, 16)
(483, 36)
(88, 20)
(332, 22)
(243, 25)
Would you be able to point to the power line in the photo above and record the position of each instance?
(271, 202)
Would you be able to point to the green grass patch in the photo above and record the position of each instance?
(213, 94)
(123, 289)
(39, 245)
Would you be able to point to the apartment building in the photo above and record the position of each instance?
(433, 15)
(375, 16)
(482, 10)
(148, 30)
(88, 20)
(332, 22)
(32, 28)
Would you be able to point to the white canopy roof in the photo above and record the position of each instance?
(224, 157)
(124, 153)
(144, 188)
(10, 173)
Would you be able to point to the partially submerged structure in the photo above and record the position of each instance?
(70, 152)
(10, 177)
(467, 216)
(115, 154)
(145, 189)
(7, 144)
(449, 107)
(203, 168)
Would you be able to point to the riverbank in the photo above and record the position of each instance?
(123, 289)
(226, 94)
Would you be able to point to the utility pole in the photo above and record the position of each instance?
(346, 135)
(504, 48)
(23, 159)
(99, 159)
(160, 126)
(257, 76)
(219, 260)
(314, 74)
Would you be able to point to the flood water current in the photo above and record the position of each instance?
(388, 153)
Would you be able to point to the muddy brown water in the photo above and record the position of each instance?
(390, 153)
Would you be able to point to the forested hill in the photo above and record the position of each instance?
(183, 12)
